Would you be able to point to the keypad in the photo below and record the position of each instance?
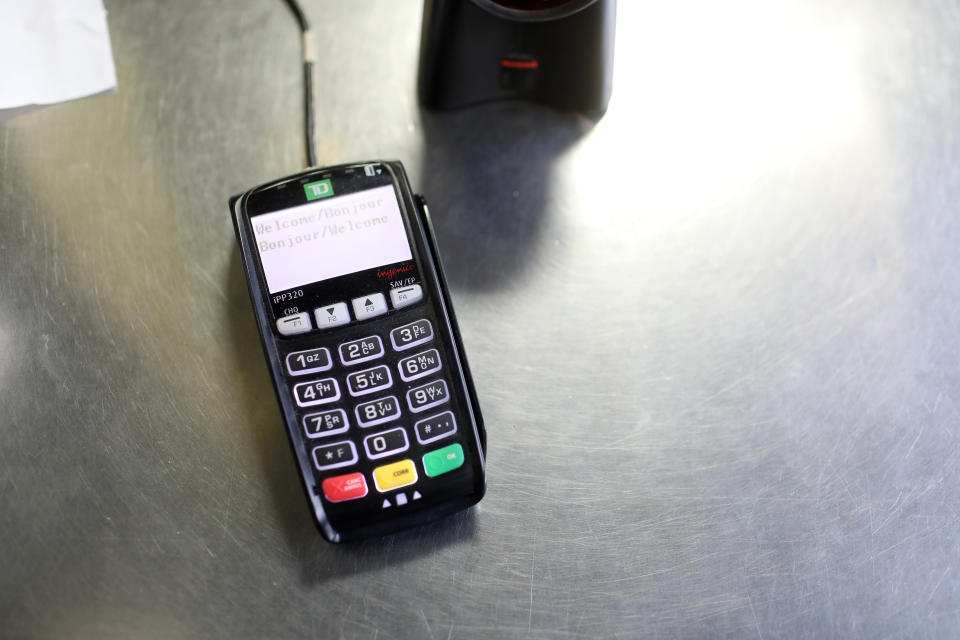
(396, 404)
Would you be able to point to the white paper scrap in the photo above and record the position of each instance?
(52, 51)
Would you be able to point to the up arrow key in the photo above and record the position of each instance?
(369, 306)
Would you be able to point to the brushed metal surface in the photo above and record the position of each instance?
(715, 335)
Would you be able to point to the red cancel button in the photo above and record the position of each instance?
(349, 486)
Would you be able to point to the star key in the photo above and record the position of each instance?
(334, 455)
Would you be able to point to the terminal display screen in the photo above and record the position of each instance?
(330, 237)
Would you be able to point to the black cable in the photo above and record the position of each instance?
(309, 58)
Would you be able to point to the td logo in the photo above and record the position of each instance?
(318, 189)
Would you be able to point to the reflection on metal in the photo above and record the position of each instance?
(712, 103)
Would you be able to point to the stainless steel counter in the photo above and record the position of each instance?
(715, 335)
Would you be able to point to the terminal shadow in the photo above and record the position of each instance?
(323, 561)
(318, 560)
(486, 172)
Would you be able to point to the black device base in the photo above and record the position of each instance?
(559, 53)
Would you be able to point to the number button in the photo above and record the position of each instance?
(369, 381)
(410, 335)
(386, 443)
(325, 423)
(378, 411)
(310, 361)
(332, 456)
(419, 365)
(428, 395)
(435, 427)
(361, 350)
(308, 394)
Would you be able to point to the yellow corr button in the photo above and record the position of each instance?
(394, 475)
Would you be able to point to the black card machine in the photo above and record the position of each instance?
(363, 347)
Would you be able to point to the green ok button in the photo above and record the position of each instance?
(443, 460)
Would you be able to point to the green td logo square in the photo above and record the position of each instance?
(318, 189)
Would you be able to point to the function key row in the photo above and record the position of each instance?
(354, 352)
(396, 475)
(336, 314)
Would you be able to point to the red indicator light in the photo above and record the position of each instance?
(519, 64)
